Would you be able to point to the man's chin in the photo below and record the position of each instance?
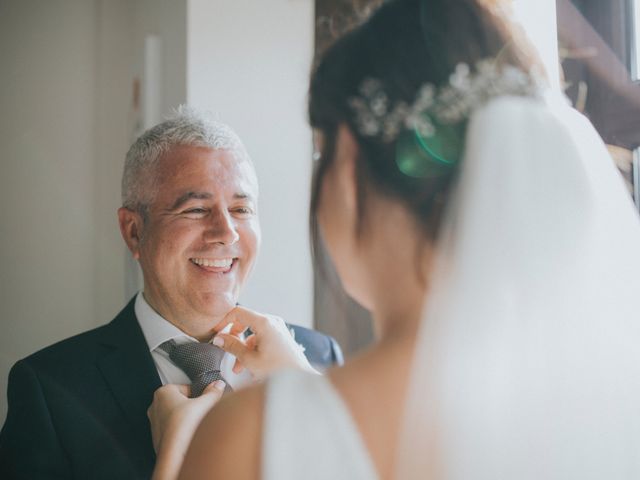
(217, 306)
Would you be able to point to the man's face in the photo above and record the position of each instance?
(199, 241)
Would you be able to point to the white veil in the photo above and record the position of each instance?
(528, 361)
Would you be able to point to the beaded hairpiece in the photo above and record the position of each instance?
(437, 111)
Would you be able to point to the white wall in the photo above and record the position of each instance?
(168, 20)
(52, 282)
(66, 91)
(250, 64)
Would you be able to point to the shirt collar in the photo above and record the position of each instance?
(155, 328)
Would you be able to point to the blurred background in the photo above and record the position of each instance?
(80, 79)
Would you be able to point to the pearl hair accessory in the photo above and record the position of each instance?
(447, 105)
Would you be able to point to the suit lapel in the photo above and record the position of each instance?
(130, 371)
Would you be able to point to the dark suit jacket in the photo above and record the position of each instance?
(78, 409)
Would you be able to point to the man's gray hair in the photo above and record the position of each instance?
(185, 127)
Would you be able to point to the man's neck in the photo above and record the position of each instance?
(200, 327)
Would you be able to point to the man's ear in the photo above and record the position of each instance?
(347, 151)
(131, 225)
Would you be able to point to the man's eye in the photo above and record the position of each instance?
(196, 211)
(243, 210)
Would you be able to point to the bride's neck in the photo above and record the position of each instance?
(398, 284)
(398, 324)
(399, 308)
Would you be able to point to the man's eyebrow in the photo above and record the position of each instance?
(242, 196)
(184, 198)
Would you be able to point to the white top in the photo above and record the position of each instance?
(157, 330)
(309, 432)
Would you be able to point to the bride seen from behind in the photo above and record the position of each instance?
(474, 216)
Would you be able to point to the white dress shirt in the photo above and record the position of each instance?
(157, 330)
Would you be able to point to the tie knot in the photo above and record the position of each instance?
(200, 361)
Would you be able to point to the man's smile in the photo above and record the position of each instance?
(215, 265)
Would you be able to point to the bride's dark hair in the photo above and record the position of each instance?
(404, 44)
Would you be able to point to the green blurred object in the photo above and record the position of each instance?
(418, 156)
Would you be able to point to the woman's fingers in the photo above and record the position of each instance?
(184, 390)
(237, 367)
(251, 342)
(170, 395)
(230, 318)
(242, 318)
(234, 346)
(213, 392)
(174, 417)
(270, 347)
(166, 400)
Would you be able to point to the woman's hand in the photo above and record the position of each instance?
(174, 418)
(270, 346)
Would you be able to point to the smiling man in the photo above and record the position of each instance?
(189, 215)
(194, 230)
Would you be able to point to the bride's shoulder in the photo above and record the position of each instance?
(228, 440)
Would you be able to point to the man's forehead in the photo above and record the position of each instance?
(227, 166)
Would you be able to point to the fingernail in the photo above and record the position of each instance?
(218, 341)
(219, 384)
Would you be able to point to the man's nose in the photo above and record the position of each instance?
(222, 229)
